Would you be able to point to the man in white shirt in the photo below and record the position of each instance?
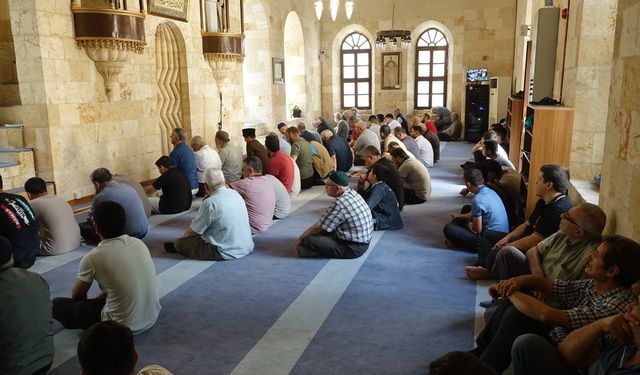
(426, 150)
(391, 121)
(57, 227)
(206, 158)
(125, 273)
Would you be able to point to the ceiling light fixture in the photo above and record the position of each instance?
(318, 6)
(334, 7)
(390, 37)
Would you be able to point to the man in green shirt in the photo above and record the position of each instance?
(561, 255)
(302, 155)
(26, 339)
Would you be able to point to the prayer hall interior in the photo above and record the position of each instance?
(102, 83)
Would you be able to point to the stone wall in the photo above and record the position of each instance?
(586, 80)
(9, 90)
(619, 194)
(481, 36)
(86, 129)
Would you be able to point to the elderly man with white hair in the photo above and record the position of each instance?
(206, 158)
(367, 138)
(221, 229)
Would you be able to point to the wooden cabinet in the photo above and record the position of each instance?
(546, 141)
(514, 122)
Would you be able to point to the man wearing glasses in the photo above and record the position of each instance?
(345, 229)
(561, 255)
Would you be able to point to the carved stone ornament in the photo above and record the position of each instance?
(223, 52)
(110, 37)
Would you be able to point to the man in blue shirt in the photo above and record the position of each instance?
(184, 157)
(486, 212)
(221, 230)
(339, 150)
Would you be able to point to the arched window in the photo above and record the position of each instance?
(432, 58)
(355, 71)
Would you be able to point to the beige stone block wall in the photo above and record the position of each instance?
(9, 90)
(480, 35)
(277, 12)
(68, 118)
(11, 137)
(619, 193)
(587, 77)
(14, 177)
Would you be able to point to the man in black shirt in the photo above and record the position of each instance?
(371, 156)
(18, 224)
(544, 220)
(176, 191)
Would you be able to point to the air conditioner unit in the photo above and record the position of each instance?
(499, 91)
(544, 54)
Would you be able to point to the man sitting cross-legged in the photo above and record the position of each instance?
(561, 255)
(107, 189)
(221, 229)
(258, 194)
(302, 155)
(280, 164)
(605, 347)
(416, 180)
(125, 273)
(26, 340)
(371, 156)
(107, 348)
(612, 269)
(345, 229)
(551, 187)
(206, 158)
(486, 212)
(381, 200)
(57, 227)
(176, 193)
(18, 224)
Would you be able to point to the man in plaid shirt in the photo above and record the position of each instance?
(612, 269)
(345, 229)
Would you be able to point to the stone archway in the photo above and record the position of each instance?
(294, 65)
(171, 78)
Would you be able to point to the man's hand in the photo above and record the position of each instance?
(618, 326)
(502, 243)
(471, 227)
(464, 192)
(493, 292)
(507, 287)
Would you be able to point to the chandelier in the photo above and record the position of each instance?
(334, 5)
(393, 37)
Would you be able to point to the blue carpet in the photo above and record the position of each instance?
(407, 305)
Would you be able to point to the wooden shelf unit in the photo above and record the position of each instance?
(548, 142)
(515, 113)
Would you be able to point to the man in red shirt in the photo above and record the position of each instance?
(280, 164)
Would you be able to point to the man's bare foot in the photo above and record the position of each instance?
(477, 273)
(449, 244)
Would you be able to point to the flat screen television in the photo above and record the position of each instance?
(477, 75)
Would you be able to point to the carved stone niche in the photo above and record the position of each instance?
(223, 52)
(110, 38)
